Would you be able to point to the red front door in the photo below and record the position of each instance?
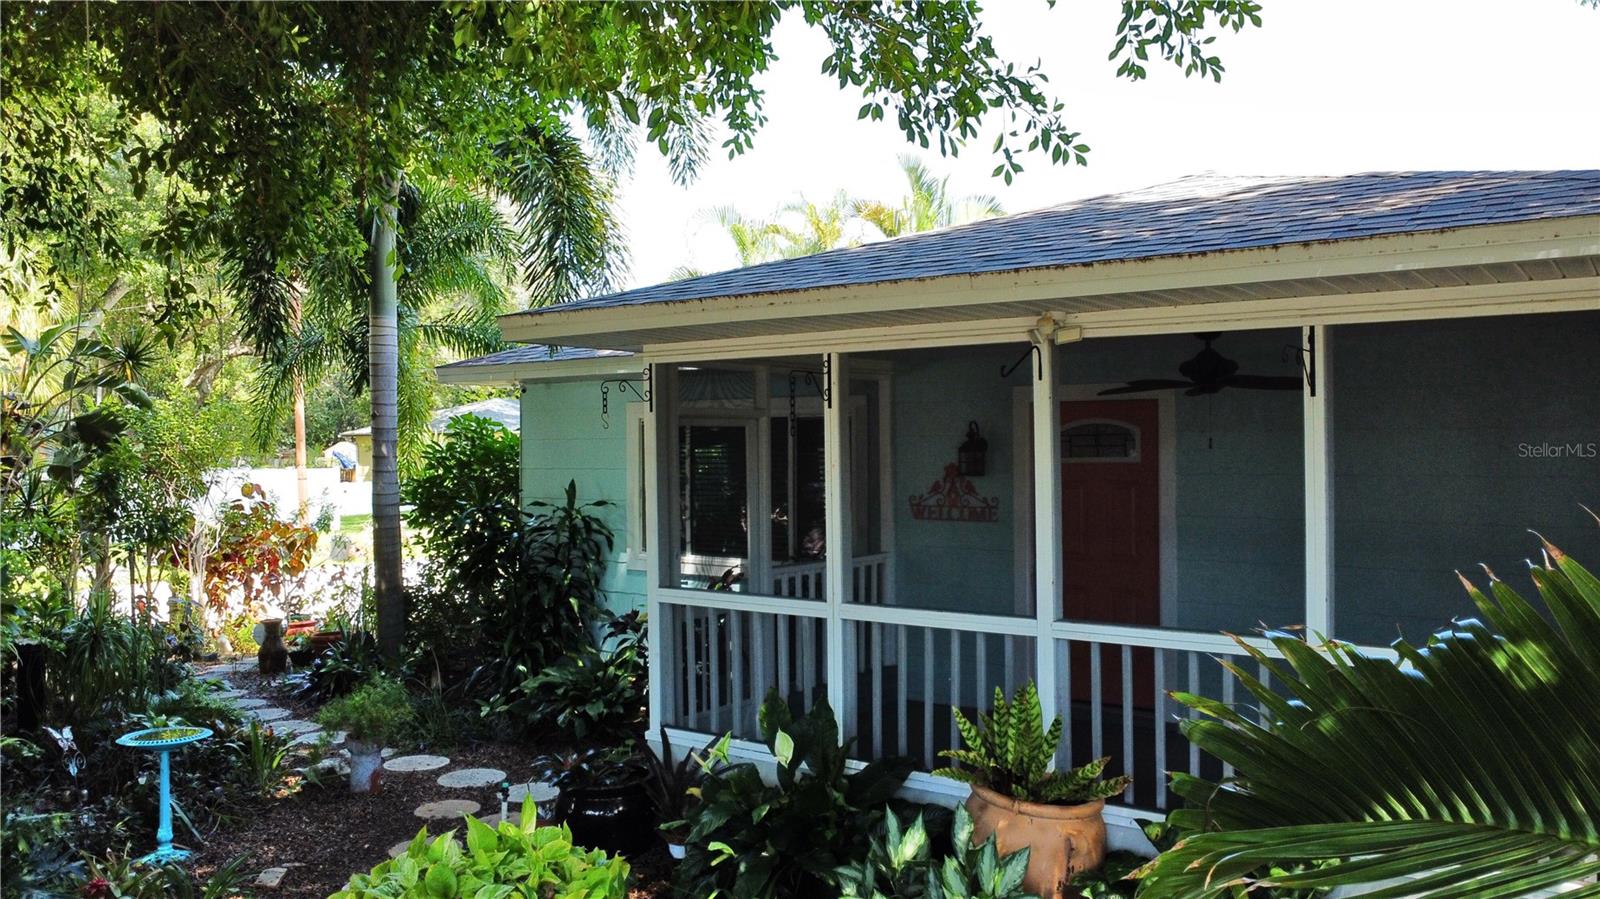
(1111, 531)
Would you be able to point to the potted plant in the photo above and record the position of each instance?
(1057, 815)
(603, 797)
(674, 786)
(374, 714)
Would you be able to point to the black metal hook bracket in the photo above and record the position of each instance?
(1307, 357)
(625, 386)
(818, 381)
(1038, 358)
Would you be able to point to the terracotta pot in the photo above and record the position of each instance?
(1062, 840)
(273, 657)
(323, 639)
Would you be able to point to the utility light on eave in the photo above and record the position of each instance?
(1068, 334)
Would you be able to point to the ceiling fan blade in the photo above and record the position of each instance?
(1146, 385)
(1264, 382)
(1203, 390)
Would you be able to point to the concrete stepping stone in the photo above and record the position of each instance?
(399, 848)
(249, 702)
(406, 764)
(514, 816)
(472, 777)
(542, 792)
(447, 808)
(329, 766)
(235, 695)
(297, 726)
(268, 714)
(271, 878)
(311, 738)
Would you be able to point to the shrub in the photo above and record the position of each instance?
(342, 667)
(900, 865)
(376, 712)
(1009, 751)
(747, 838)
(597, 693)
(506, 860)
(674, 784)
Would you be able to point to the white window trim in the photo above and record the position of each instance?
(641, 427)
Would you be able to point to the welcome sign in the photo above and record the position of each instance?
(954, 498)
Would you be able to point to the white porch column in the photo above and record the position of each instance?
(1046, 416)
(1318, 484)
(836, 488)
(656, 424)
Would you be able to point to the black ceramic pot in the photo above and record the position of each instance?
(619, 819)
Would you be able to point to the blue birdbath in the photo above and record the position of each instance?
(162, 740)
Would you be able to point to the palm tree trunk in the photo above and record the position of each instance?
(384, 362)
(302, 514)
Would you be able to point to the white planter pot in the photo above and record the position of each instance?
(366, 766)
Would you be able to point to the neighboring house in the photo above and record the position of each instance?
(506, 411)
(1206, 406)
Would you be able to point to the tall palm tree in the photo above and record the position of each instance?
(926, 205)
(570, 245)
(754, 239)
(821, 227)
(457, 255)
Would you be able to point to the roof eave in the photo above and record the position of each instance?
(1475, 245)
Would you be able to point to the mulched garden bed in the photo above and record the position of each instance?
(323, 834)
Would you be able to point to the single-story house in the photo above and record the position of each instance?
(1076, 445)
(504, 410)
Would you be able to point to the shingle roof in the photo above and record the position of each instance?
(535, 352)
(501, 409)
(1200, 214)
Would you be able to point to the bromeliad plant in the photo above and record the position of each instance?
(900, 865)
(1468, 768)
(1009, 751)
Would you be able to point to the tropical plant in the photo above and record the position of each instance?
(543, 596)
(261, 756)
(257, 554)
(900, 865)
(926, 205)
(509, 859)
(117, 877)
(751, 839)
(377, 712)
(1463, 768)
(596, 766)
(1009, 751)
(674, 784)
(336, 671)
(598, 692)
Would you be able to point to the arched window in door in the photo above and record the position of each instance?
(1100, 441)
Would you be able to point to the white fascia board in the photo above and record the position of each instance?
(552, 370)
(1480, 245)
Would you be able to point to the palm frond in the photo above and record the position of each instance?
(1469, 769)
(571, 239)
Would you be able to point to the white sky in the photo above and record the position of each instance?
(1324, 87)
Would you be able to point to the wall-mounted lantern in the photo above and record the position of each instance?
(972, 457)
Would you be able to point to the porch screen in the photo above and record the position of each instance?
(1451, 440)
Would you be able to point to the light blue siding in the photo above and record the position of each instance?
(563, 440)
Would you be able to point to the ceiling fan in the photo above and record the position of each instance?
(1208, 371)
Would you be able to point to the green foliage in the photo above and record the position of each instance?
(377, 712)
(465, 498)
(119, 878)
(749, 839)
(1009, 751)
(674, 783)
(598, 692)
(900, 865)
(37, 855)
(342, 667)
(261, 755)
(1467, 767)
(495, 863)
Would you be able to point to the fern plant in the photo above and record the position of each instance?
(1010, 751)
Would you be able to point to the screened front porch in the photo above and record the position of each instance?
(877, 528)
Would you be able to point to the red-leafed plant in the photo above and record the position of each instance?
(260, 555)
